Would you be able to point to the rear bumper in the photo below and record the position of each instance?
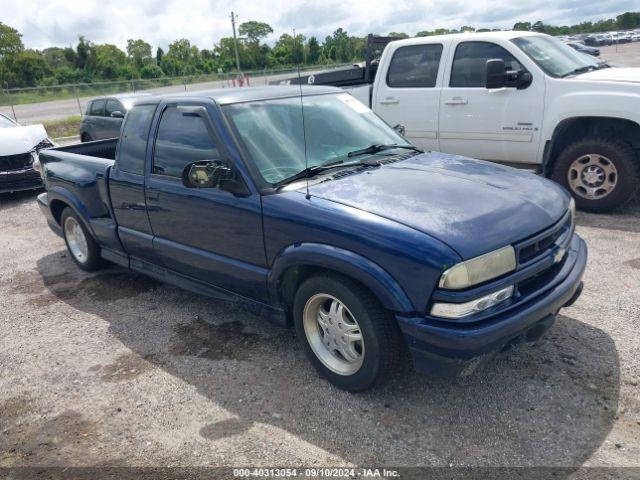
(450, 349)
(43, 203)
(18, 180)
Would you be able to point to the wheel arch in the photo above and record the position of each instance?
(571, 129)
(59, 199)
(298, 262)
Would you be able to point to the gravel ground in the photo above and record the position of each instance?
(115, 369)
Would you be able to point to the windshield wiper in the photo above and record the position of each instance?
(376, 147)
(308, 172)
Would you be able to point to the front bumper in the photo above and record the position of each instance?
(453, 349)
(17, 180)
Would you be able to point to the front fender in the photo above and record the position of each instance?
(346, 262)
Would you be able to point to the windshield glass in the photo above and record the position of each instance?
(553, 56)
(5, 122)
(272, 132)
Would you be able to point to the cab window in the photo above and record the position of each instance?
(469, 67)
(133, 141)
(113, 106)
(414, 66)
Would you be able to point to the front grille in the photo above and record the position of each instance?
(15, 162)
(541, 243)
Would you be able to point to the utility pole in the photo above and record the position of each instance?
(234, 17)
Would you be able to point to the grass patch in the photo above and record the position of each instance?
(65, 127)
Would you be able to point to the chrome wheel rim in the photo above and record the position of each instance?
(333, 334)
(76, 240)
(592, 176)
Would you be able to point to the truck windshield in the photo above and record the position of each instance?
(554, 57)
(334, 125)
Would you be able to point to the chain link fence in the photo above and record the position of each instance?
(38, 104)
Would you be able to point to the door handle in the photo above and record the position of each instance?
(153, 197)
(390, 101)
(456, 101)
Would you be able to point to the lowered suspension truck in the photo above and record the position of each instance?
(335, 226)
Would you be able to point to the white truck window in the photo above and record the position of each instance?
(470, 63)
(414, 66)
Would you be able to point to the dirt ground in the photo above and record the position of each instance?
(115, 369)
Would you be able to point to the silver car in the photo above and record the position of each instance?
(103, 116)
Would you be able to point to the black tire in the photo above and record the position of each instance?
(619, 153)
(85, 137)
(92, 260)
(383, 345)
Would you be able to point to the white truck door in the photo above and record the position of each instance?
(407, 93)
(502, 124)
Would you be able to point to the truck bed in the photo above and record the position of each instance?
(77, 175)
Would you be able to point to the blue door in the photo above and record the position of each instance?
(208, 234)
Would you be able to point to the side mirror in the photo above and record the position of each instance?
(117, 114)
(496, 74)
(400, 129)
(206, 174)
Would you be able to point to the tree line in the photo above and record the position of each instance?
(89, 62)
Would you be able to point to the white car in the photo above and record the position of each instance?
(19, 147)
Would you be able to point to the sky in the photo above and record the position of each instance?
(45, 23)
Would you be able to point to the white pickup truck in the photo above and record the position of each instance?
(521, 98)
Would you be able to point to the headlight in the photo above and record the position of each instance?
(479, 269)
(459, 310)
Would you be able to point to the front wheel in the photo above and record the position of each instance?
(600, 173)
(84, 250)
(347, 335)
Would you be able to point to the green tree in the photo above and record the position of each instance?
(313, 51)
(139, 52)
(10, 41)
(522, 26)
(255, 31)
(398, 35)
(29, 68)
(111, 62)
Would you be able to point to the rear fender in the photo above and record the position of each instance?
(61, 194)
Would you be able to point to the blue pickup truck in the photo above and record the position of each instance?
(308, 208)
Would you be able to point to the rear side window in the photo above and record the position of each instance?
(133, 141)
(469, 67)
(414, 66)
(113, 106)
(183, 138)
(97, 108)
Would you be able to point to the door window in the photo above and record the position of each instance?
(113, 106)
(97, 108)
(183, 138)
(469, 67)
(414, 66)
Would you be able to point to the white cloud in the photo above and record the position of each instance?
(45, 23)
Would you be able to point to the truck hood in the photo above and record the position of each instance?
(471, 205)
(20, 139)
(631, 75)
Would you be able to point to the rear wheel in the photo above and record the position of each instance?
(84, 250)
(85, 137)
(600, 173)
(347, 335)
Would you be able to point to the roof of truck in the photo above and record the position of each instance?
(223, 96)
(506, 35)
